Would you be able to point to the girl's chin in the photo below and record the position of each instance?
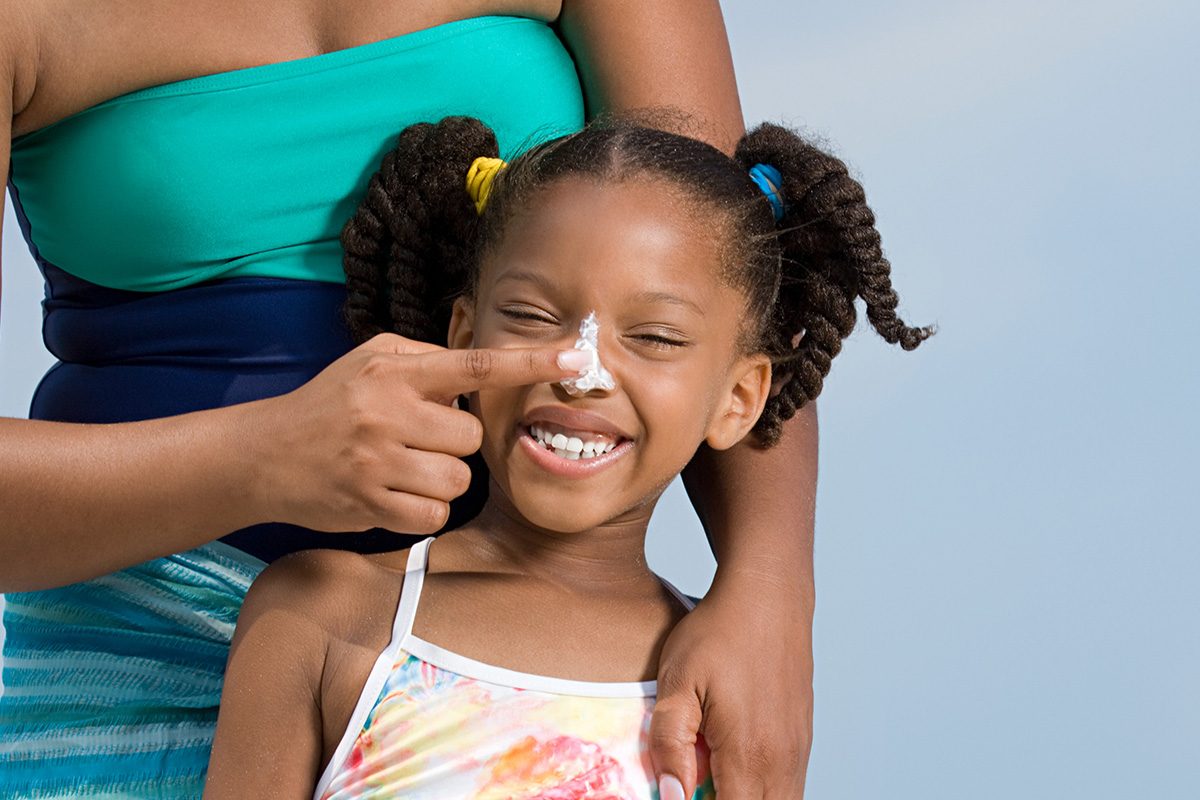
(537, 515)
(573, 513)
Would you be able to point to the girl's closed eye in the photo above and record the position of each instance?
(528, 318)
(664, 339)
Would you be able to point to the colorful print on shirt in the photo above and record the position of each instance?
(436, 735)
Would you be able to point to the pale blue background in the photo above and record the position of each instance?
(1007, 555)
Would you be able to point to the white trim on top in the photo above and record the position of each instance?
(489, 673)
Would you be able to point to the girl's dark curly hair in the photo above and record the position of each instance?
(416, 241)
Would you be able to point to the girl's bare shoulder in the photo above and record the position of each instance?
(349, 597)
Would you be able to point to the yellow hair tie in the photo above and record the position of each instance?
(479, 179)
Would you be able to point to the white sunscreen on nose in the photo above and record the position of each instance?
(595, 376)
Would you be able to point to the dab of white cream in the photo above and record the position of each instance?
(595, 376)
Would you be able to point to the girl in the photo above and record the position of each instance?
(515, 656)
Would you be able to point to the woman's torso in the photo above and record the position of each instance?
(234, 187)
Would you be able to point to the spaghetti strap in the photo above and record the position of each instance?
(687, 602)
(410, 593)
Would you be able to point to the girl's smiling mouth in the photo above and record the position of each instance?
(571, 442)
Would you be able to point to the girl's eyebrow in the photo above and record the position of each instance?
(652, 298)
(537, 279)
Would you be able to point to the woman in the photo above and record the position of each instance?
(225, 428)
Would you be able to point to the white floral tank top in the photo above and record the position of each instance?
(434, 725)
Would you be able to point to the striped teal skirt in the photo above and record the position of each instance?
(111, 686)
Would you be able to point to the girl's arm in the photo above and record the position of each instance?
(739, 668)
(269, 736)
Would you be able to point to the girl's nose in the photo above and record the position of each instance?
(595, 377)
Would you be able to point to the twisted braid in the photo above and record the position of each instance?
(363, 238)
(831, 254)
(413, 235)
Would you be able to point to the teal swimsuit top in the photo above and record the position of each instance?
(254, 172)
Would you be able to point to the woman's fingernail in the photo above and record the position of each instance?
(669, 788)
(578, 360)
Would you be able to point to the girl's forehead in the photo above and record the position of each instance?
(635, 231)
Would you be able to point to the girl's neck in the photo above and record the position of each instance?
(605, 560)
(582, 606)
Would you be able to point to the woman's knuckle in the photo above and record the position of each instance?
(431, 515)
(458, 477)
(373, 366)
(793, 754)
(758, 754)
(361, 413)
(677, 681)
(464, 434)
(668, 739)
(532, 362)
(472, 434)
(478, 365)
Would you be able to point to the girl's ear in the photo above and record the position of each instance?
(742, 404)
(462, 325)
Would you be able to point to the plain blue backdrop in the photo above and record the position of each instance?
(1007, 550)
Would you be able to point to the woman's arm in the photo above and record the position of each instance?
(369, 442)
(82, 500)
(743, 659)
(758, 508)
(647, 53)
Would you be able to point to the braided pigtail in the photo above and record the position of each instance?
(410, 246)
(831, 255)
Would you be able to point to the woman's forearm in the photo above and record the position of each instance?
(83, 500)
(635, 54)
(757, 507)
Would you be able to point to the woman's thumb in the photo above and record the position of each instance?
(672, 742)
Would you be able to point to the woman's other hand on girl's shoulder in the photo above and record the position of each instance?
(720, 674)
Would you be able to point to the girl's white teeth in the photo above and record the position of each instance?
(570, 447)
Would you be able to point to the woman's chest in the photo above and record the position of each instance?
(87, 53)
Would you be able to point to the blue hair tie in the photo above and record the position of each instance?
(769, 179)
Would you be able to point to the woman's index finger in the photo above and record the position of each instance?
(453, 372)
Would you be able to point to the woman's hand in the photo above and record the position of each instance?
(737, 670)
(374, 439)
(371, 441)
